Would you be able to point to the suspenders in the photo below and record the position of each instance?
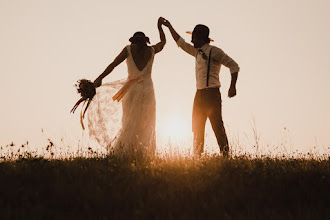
(208, 69)
(208, 65)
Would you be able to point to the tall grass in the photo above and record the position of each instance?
(96, 186)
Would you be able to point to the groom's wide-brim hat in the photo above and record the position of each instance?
(201, 31)
(139, 35)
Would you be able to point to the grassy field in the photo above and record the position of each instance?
(169, 188)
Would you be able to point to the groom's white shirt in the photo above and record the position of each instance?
(218, 58)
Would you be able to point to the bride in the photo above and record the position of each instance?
(134, 134)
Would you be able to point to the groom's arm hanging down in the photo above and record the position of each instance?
(232, 88)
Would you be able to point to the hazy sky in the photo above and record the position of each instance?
(282, 48)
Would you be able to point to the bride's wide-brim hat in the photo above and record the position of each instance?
(201, 31)
(138, 35)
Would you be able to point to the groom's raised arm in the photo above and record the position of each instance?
(174, 34)
(179, 40)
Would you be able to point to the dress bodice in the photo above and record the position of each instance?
(132, 69)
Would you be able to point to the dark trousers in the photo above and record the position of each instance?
(207, 104)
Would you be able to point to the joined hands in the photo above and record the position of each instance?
(163, 21)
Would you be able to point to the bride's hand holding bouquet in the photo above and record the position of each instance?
(97, 82)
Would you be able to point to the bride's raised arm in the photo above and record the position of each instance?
(159, 47)
(119, 59)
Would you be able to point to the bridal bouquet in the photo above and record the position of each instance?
(87, 91)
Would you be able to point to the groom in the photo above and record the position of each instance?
(207, 102)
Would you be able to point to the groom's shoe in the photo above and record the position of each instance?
(225, 154)
(224, 151)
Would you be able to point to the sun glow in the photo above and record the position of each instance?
(176, 129)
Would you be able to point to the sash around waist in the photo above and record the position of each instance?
(145, 76)
(128, 85)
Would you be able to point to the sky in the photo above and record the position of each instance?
(282, 48)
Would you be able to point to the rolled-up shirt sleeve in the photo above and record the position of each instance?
(187, 47)
(227, 61)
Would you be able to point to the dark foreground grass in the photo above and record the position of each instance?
(209, 188)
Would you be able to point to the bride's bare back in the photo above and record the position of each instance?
(141, 56)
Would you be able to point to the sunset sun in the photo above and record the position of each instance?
(175, 128)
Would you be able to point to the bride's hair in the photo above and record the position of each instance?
(138, 36)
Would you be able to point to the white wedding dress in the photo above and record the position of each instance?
(126, 127)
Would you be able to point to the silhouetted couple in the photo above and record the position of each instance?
(135, 133)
